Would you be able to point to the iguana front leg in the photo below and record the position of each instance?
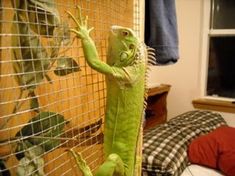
(127, 74)
(88, 44)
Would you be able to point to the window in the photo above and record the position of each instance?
(222, 14)
(218, 49)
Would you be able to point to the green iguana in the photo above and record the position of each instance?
(125, 73)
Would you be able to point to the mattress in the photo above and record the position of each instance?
(196, 170)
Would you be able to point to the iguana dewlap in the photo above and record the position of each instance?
(125, 78)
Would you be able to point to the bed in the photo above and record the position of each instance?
(197, 170)
(165, 147)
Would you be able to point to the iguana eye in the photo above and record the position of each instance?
(125, 33)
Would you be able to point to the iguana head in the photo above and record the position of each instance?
(123, 46)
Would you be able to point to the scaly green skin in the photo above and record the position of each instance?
(125, 77)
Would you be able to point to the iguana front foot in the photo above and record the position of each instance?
(82, 30)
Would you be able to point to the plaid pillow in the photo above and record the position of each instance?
(165, 146)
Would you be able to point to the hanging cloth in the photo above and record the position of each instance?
(161, 30)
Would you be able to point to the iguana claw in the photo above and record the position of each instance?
(81, 163)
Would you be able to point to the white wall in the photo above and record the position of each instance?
(184, 75)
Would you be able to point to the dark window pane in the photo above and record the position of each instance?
(223, 14)
(221, 67)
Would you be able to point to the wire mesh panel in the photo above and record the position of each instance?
(50, 99)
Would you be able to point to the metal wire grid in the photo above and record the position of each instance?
(78, 96)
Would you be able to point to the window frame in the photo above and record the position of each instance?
(208, 32)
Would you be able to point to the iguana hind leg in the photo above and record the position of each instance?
(113, 166)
